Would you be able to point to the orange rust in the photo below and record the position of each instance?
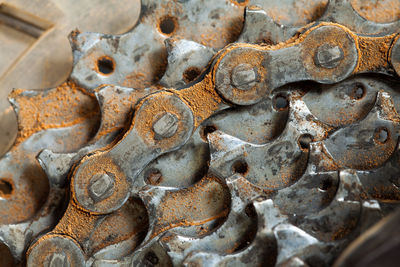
(255, 59)
(370, 159)
(325, 161)
(249, 190)
(28, 195)
(396, 65)
(302, 12)
(41, 258)
(76, 223)
(222, 36)
(31, 191)
(132, 223)
(384, 193)
(388, 109)
(217, 37)
(181, 205)
(335, 37)
(295, 40)
(86, 227)
(207, 129)
(347, 115)
(340, 232)
(64, 106)
(240, 2)
(373, 53)
(191, 206)
(201, 98)
(154, 107)
(99, 162)
(116, 111)
(287, 175)
(151, 72)
(378, 11)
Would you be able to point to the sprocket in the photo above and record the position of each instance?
(209, 135)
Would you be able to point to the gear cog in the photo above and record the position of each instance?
(211, 134)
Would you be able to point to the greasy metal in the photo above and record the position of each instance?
(234, 158)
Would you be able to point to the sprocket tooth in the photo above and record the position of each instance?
(293, 241)
(19, 235)
(354, 217)
(232, 155)
(54, 108)
(56, 166)
(223, 147)
(115, 105)
(186, 61)
(350, 101)
(313, 192)
(385, 107)
(347, 200)
(342, 12)
(138, 58)
(191, 217)
(82, 42)
(260, 28)
(14, 99)
(227, 236)
(374, 137)
(383, 183)
(95, 60)
(262, 250)
(152, 198)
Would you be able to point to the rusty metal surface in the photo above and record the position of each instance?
(210, 134)
(45, 58)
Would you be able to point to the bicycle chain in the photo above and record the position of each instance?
(295, 196)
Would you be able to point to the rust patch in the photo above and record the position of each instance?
(76, 223)
(373, 53)
(378, 11)
(150, 110)
(201, 98)
(302, 12)
(192, 206)
(63, 106)
(28, 195)
(240, 2)
(131, 220)
(117, 111)
(99, 163)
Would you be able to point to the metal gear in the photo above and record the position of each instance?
(209, 135)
